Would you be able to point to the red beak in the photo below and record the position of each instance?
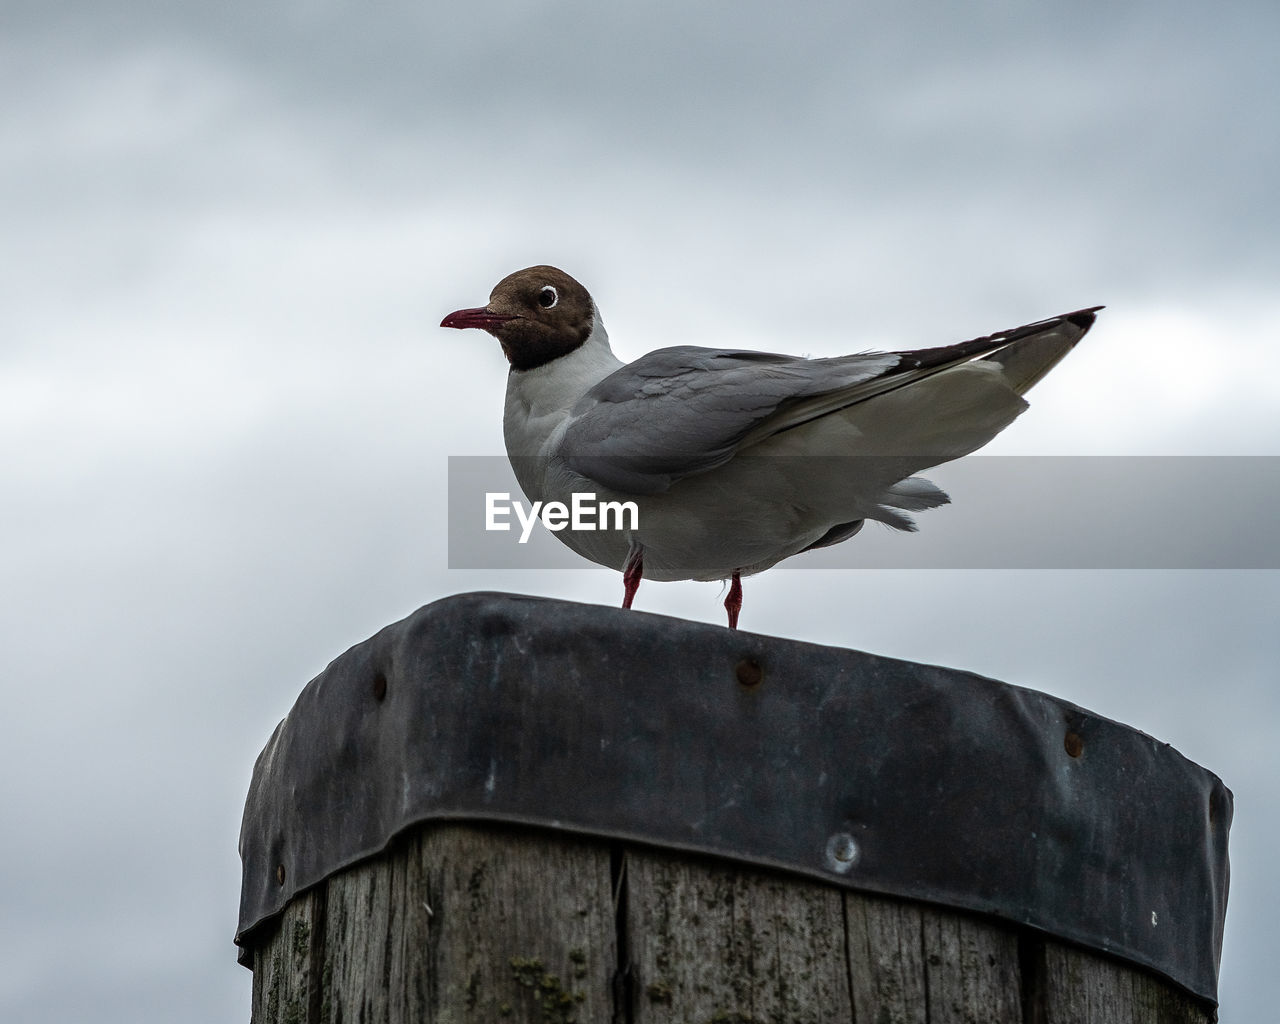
(482, 318)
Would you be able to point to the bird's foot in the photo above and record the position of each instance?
(733, 603)
(632, 574)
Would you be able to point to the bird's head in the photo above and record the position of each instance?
(537, 314)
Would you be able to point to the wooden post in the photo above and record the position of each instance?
(536, 884)
(465, 923)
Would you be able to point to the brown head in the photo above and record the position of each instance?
(537, 314)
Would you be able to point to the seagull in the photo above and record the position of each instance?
(736, 459)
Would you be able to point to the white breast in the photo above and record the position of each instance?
(539, 400)
(538, 404)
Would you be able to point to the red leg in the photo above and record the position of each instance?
(733, 603)
(632, 574)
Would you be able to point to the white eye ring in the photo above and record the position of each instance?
(548, 296)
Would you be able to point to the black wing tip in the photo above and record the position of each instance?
(980, 348)
(1083, 318)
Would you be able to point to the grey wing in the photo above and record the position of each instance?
(685, 410)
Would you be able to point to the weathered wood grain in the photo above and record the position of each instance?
(364, 919)
(518, 937)
(913, 964)
(971, 970)
(715, 942)
(1080, 987)
(886, 959)
(283, 966)
(465, 923)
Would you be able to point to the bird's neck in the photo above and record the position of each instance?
(549, 391)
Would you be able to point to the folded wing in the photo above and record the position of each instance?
(682, 411)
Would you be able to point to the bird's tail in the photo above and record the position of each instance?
(914, 494)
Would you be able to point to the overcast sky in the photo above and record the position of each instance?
(229, 235)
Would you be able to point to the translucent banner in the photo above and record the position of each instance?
(1006, 512)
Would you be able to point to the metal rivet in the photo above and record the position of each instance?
(842, 852)
(279, 874)
(1073, 744)
(749, 672)
(379, 687)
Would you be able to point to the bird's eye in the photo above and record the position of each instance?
(548, 296)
